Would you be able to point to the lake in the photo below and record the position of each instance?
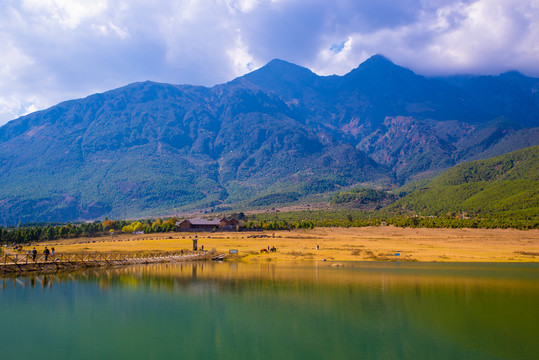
(274, 310)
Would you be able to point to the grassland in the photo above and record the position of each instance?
(335, 244)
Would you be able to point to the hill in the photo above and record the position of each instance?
(280, 133)
(503, 185)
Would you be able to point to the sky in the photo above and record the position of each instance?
(56, 50)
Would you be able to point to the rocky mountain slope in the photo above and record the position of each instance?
(150, 148)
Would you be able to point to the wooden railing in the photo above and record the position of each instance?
(83, 258)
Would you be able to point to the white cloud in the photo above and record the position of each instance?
(338, 59)
(66, 13)
(241, 58)
(485, 36)
(54, 50)
(243, 5)
(13, 61)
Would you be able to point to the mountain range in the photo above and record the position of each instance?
(279, 134)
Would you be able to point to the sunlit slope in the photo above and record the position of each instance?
(504, 184)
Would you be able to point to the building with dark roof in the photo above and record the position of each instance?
(207, 225)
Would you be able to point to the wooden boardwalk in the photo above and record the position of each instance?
(19, 263)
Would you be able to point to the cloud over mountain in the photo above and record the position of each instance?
(57, 49)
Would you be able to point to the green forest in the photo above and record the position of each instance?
(503, 186)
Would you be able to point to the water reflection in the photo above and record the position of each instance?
(275, 310)
(43, 281)
(378, 275)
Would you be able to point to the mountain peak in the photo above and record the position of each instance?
(513, 74)
(279, 76)
(279, 62)
(379, 66)
(378, 62)
(377, 59)
(282, 68)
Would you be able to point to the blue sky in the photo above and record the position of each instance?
(55, 50)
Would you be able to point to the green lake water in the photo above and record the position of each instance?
(275, 311)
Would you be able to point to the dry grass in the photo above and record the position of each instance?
(340, 244)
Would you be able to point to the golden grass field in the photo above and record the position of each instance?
(335, 244)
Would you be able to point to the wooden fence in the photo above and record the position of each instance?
(26, 262)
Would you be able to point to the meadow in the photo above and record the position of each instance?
(384, 243)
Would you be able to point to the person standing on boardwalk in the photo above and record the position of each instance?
(46, 252)
(34, 254)
(53, 252)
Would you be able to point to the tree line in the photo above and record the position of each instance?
(46, 232)
(272, 221)
(311, 219)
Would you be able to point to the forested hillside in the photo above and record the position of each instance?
(504, 185)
